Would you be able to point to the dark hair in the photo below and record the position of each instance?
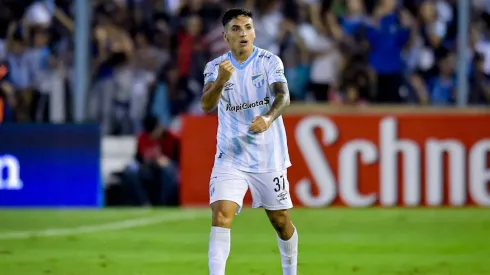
(478, 57)
(18, 37)
(442, 53)
(234, 13)
(150, 123)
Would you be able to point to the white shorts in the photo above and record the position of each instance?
(269, 190)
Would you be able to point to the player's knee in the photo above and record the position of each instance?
(222, 219)
(223, 213)
(279, 220)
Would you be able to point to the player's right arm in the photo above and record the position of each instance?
(214, 85)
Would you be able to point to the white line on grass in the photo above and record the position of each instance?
(112, 226)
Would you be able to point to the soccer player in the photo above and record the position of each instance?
(249, 88)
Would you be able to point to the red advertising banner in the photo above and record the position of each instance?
(361, 160)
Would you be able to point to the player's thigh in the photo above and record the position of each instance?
(270, 190)
(227, 188)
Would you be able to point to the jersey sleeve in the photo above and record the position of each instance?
(275, 71)
(210, 72)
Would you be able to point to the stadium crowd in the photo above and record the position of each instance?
(148, 55)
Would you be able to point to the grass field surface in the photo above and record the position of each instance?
(174, 242)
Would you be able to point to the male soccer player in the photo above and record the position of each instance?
(249, 88)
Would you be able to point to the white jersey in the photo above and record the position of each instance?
(245, 96)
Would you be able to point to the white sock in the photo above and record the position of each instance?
(219, 249)
(289, 254)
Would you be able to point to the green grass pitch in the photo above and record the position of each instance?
(333, 241)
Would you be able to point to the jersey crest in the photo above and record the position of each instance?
(258, 80)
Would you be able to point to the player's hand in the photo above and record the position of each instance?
(162, 161)
(260, 124)
(226, 69)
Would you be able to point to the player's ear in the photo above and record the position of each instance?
(224, 36)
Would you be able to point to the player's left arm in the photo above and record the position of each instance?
(279, 87)
(281, 101)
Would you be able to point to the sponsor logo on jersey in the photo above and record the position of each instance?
(245, 106)
(229, 86)
(266, 55)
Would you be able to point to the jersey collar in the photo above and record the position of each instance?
(244, 64)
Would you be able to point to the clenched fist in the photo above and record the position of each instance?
(226, 69)
(260, 124)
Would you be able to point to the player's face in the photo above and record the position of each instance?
(240, 33)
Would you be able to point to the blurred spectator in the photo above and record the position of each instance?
(7, 97)
(442, 87)
(47, 78)
(267, 21)
(387, 34)
(480, 82)
(170, 97)
(296, 57)
(152, 179)
(192, 58)
(147, 62)
(111, 92)
(20, 76)
(325, 58)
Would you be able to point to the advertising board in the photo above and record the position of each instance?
(50, 166)
(362, 160)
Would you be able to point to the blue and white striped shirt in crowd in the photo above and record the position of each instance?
(246, 95)
(20, 70)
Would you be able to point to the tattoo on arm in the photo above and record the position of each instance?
(281, 92)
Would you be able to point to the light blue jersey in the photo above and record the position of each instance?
(245, 96)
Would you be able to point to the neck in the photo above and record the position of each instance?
(241, 55)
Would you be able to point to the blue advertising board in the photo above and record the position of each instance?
(48, 165)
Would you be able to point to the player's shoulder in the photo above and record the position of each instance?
(213, 64)
(267, 56)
